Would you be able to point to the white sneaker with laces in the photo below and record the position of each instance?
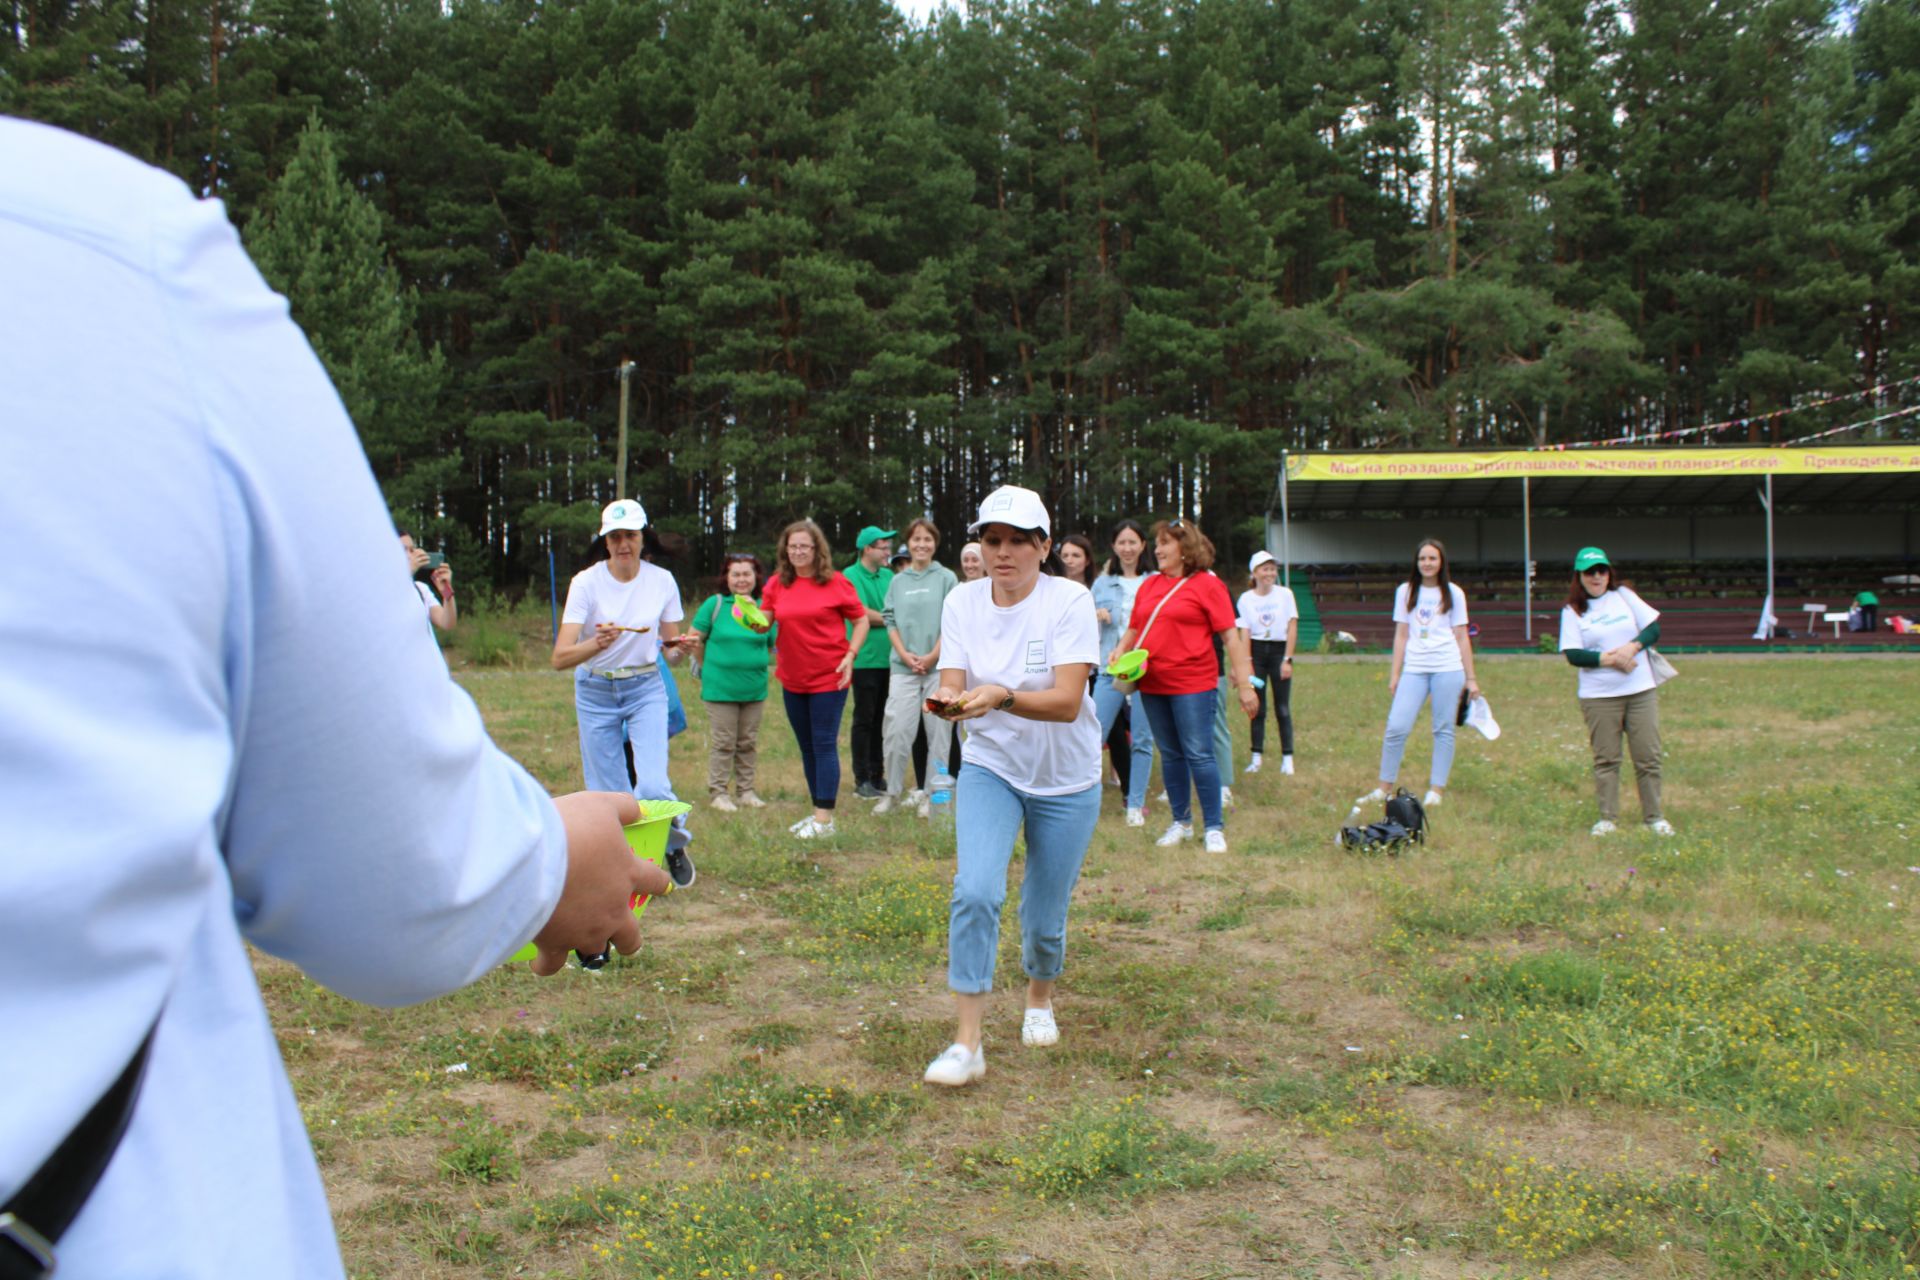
(957, 1066)
(1216, 841)
(1374, 796)
(886, 805)
(1604, 827)
(795, 827)
(723, 802)
(1286, 766)
(813, 830)
(1660, 827)
(1431, 799)
(1174, 834)
(1253, 765)
(925, 807)
(1136, 817)
(1039, 1029)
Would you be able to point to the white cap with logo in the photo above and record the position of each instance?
(1013, 506)
(625, 513)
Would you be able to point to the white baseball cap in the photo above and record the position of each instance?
(1480, 716)
(624, 513)
(1014, 506)
(1260, 558)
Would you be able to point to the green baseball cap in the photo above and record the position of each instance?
(870, 535)
(1589, 557)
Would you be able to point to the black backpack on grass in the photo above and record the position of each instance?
(1405, 823)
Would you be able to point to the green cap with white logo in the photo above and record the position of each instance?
(1588, 558)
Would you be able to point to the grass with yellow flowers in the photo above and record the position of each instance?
(1515, 1051)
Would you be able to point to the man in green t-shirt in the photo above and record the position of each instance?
(870, 578)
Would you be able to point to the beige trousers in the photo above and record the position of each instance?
(1636, 718)
(733, 734)
(907, 696)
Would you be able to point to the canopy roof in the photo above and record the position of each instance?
(1828, 475)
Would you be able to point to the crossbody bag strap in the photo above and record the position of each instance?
(46, 1205)
(1140, 641)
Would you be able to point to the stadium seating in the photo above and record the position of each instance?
(1702, 603)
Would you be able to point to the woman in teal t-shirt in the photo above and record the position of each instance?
(733, 683)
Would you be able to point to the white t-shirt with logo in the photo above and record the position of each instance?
(1018, 648)
(1265, 617)
(595, 596)
(1609, 622)
(1430, 642)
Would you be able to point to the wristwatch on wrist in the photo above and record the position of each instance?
(1006, 703)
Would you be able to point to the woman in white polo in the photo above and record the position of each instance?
(1271, 618)
(622, 615)
(1432, 662)
(1604, 632)
(1017, 653)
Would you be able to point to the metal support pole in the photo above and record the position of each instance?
(1286, 527)
(1526, 549)
(1772, 607)
(620, 450)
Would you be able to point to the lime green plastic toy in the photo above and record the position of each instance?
(648, 839)
(1130, 665)
(748, 612)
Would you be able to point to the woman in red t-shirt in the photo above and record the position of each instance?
(1175, 617)
(813, 659)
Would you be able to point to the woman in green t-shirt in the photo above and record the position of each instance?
(733, 681)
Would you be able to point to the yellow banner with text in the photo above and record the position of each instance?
(1602, 463)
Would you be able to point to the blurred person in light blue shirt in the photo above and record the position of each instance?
(250, 738)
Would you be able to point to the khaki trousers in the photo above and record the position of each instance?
(1636, 718)
(907, 696)
(733, 731)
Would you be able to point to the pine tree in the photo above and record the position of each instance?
(318, 242)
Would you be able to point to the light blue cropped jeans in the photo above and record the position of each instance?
(1442, 689)
(989, 814)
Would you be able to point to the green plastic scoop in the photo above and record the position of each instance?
(648, 839)
(1130, 665)
(748, 612)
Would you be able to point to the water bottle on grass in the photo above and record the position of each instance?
(940, 797)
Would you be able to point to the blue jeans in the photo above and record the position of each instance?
(1107, 702)
(1183, 730)
(815, 718)
(1416, 687)
(615, 711)
(988, 816)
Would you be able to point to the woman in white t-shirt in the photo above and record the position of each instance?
(1604, 631)
(629, 612)
(1432, 662)
(1017, 651)
(1270, 616)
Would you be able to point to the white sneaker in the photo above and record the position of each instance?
(887, 804)
(812, 830)
(916, 796)
(1216, 841)
(795, 827)
(1226, 797)
(752, 801)
(925, 809)
(1039, 1029)
(1603, 828)
(1174, 834)
(724, 803)
(1660, 827)
(1253, 765)
(1286, 766)
(957, 1066)
(1136, 817)
(1431, 799)
(1374, 796)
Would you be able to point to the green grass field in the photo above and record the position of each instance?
(1517, 1051)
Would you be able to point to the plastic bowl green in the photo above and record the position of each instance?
(748, 612)
(648, 839)
(1130, 665)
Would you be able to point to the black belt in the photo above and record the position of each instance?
(42, 1210)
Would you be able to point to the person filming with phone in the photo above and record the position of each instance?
(436, 593)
